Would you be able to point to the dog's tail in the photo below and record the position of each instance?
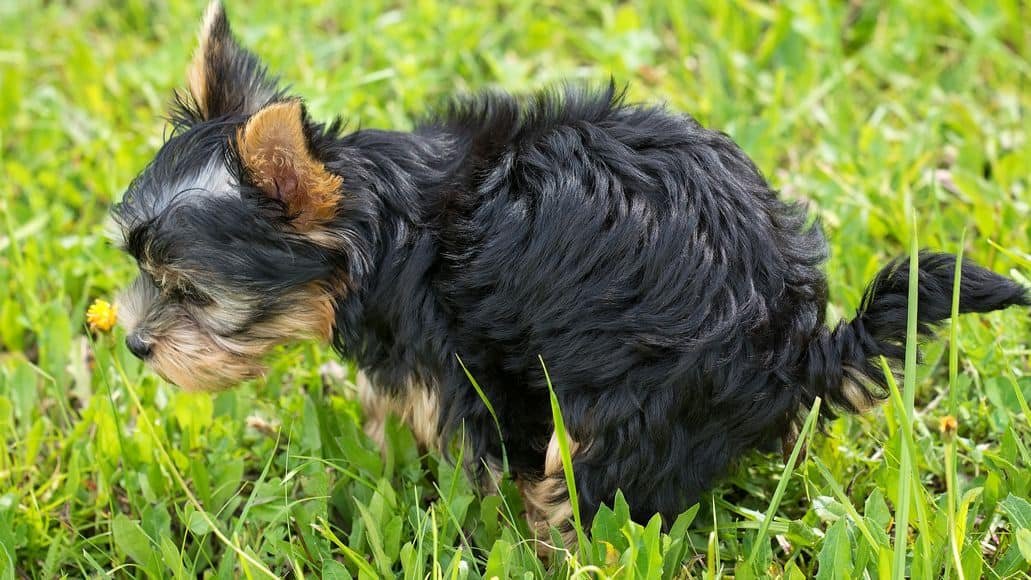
(842, 366)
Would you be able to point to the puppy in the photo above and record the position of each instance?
(677, 302)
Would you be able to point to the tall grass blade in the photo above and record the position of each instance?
(950, 441)
(785, 476)
(954, 329)
(490, 409)
(909, 396)
(567, 459)
(713, 554)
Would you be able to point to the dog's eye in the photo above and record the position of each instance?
(191, 295)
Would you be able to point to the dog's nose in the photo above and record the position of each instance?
(137, 346)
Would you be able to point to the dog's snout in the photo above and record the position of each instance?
(137, 346)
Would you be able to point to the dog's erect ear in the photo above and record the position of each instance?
(224, 78)
(274, 148)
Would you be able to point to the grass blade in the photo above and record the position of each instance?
(839, 494)
(909, 396)
(1019, 394)
(567, 460)
(785, 476)
(359, 562)
(914, 487)
(166, 459)
(490, 409)
(950, 440)
(954, 330)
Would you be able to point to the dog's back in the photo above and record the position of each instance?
(678, 303)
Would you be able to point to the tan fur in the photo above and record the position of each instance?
(186, 352)
(538, 496)
(417, 407)
(312, 317)
(196, 74)
(164, 276)
(789, 440)
(274, 149)
(857, 396)
(191, 359)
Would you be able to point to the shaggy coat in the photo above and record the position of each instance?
(677, 302)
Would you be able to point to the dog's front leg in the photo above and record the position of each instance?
(414, 404)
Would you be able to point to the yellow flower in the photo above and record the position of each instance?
(101, 315)
(611, 555)
(948, 425)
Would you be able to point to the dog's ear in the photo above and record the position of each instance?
(275, 151)
(223, 77)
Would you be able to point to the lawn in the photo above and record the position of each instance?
(898, 121)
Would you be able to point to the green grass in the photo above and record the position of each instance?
(883, 114)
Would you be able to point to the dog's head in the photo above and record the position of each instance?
(229, 224)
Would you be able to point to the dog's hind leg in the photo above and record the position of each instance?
(660, 455)
(547, 499)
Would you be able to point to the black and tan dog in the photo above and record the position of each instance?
(677, 302)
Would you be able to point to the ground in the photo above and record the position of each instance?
(898, 121)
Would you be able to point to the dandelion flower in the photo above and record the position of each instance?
(948, 425)
(101, 315)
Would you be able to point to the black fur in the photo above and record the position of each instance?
(853, 349)
(678, 303)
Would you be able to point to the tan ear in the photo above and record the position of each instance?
(223, 77)
(274, 149)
